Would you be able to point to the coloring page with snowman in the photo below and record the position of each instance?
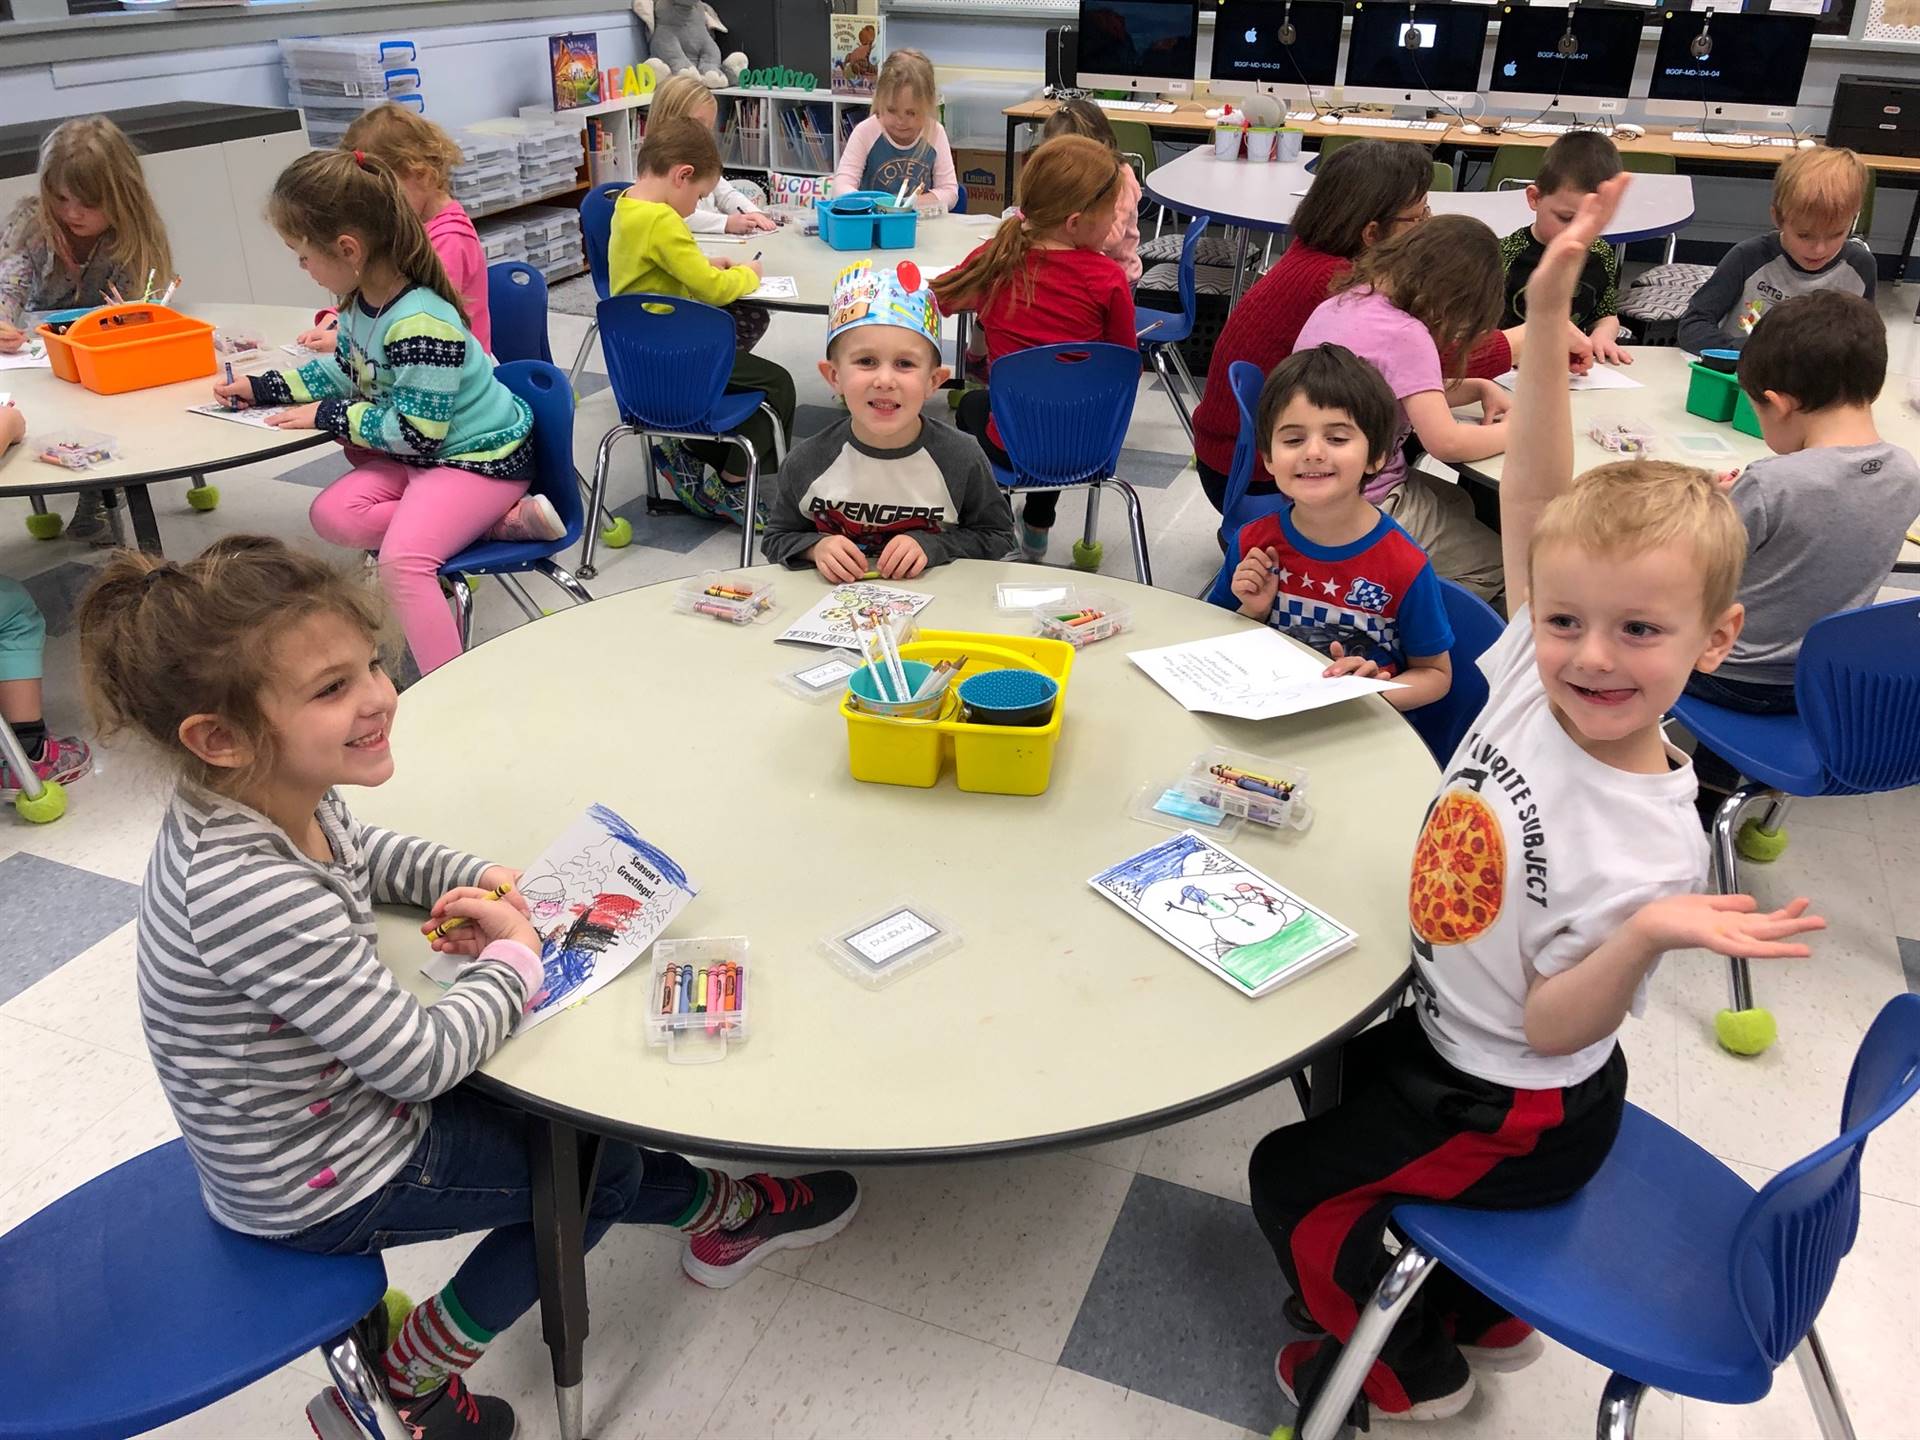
(1244, 927)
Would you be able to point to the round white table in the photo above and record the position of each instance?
(1060, 1020)
(1661, 403)
(158, 439)
(938, 245)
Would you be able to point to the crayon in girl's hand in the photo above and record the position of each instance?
(233, 402)
(452, 922)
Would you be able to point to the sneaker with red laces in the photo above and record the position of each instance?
(452, 1412)
(531, 518)
(1512, 1344)
(794, 1213)
(64, 759)
(1386, 1396)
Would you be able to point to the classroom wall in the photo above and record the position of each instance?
(469, 72)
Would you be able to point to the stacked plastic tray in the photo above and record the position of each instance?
(489, 175)
(504, 238)
(553, 240)
(549, 158)
(333, 81)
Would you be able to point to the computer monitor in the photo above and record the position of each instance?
(1254, 50)
(1442, 66)
(1141, 45)
(1751, 70)
(1549, 59)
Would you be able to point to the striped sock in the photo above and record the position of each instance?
(438, 1339)
(721, 1203)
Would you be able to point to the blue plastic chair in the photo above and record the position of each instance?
(517, 302)
(1476, 625)
(550, 397)
(126, 1306)
(596, 234)
(669, 358)
(1062, 412)
(1162, 335)
(959, 202)
(1237, 507)
(1667, 1267)
(1858, 731)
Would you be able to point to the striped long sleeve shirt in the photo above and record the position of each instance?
(297, 1066)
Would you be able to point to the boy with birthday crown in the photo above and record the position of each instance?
(884, 492)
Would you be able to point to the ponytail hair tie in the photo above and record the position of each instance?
(154, 576)
(360, 159)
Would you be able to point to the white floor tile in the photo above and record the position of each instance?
(1000, 1250)
(1210, 1152)
(1557, 1396)
(92, 998)
(831, 1365)
(1079, 1407)
(1121, 1154)
(59, 1088)
(133, 1127)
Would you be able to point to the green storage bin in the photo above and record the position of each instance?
(1713, 394)
(1744, 419)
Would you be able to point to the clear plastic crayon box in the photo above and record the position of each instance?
(1082, 617)
(1253, 787)
(729, 595)
(697, 1005)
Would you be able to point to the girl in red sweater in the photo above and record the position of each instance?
(1042, 280)
(1362, 194)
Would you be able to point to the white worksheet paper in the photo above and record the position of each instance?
(258, 416)
(776, 287)
(830, 622)
(1600, 377)
(31, 356)
(1251, 675)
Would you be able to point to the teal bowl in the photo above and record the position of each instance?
(1009, 697)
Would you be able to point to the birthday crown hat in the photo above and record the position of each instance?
(864, 295)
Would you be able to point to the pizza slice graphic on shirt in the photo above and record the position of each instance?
(1459, 871)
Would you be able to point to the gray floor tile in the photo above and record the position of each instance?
(591, 382)
(54, 912)
(812, 419)
(1151, 469)
(319, 473)
(57, 592)
(1910, 961)
(676, 531)
(1185, 1306)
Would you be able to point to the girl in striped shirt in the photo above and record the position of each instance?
(440, 447)
(321, 1103)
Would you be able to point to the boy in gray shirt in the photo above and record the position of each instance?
(1817, 195)
(1826, 514)
(884, 492)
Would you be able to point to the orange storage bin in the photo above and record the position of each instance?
(131, 347)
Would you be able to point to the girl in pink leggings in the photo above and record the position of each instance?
(440, 447)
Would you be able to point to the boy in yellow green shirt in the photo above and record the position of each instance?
(652, 250)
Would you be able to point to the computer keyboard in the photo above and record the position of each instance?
(1158, 107)
(1384, 122)
(1734, 139)
(1535, 128)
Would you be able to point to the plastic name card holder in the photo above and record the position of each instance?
(728, 595)
(822, 677)
(1026, 597)
(1082, 618)
(878, 949)
(1259, 790)
(697, 1005)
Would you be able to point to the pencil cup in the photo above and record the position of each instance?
(872, 696)
(1226, 141)
(1287, 146)
(1260, 143)
(1008, 697)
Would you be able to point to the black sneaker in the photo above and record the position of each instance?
(794, 1213)
(452, 1412)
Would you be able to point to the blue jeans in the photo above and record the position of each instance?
(470, 1172)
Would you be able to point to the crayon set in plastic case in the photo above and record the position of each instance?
(729, 595)
(697, 1005)
(1223, 787)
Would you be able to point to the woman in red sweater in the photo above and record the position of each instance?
(1362, 194)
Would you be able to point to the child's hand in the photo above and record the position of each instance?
(1726, 478)
(1580, 351)
(1727, 924)
(1495, 402)
(11, 339)
(235, 394)
(748, 222)
(487, 920)
(494, 876)
(1611, 351)
(902, 559)
(322, 338)
(720, 262)
(1256, 581)
(755, 266)
(297, 417)
(1550, 290)
(1345, 664)
(838, 559)
(13, 426)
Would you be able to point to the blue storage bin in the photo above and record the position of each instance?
(857, 221)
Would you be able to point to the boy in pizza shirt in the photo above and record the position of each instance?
(1560, 860)
(1330, 568)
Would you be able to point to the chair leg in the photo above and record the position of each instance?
(653, 474)
(1136, 527)
(779, 437)
(575, 590)
(1619, 1408)
(463, 608)
(751, 499)
(1743, 1027)
(15, 754)
(580, 357)
(511, 584)
(1188, 396)
(1377, 1320)
(1672, 240)
(597, 496)
(360, 1386)
(1829, 1410)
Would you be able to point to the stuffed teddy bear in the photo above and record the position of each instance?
(678, 35)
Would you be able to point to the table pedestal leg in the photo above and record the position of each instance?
(562, 1170)
(146, 533)
(1239, 266)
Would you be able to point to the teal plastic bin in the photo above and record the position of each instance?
(866, 220)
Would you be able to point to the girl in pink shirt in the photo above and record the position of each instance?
(422, 156)
(901, 146)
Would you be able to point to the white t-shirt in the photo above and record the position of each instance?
(1532, 854)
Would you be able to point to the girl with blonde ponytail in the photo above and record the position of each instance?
(1042, 280)
(440, 446)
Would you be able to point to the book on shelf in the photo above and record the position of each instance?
(575, 64)
(854, 49)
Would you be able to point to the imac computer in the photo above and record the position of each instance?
(1415, 54)
(1729, 67)
(1290, 47)
(1552, 60)
(1143, 46)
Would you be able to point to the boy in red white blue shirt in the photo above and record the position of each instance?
(1329, 568)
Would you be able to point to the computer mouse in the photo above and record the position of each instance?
(1469, 129)
(1804, 143)
(1631, 131)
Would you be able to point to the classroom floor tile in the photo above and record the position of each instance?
(1120, 1289)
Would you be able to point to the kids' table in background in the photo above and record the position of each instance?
(158, 439)
(1661, 404)
(1059, 1021)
